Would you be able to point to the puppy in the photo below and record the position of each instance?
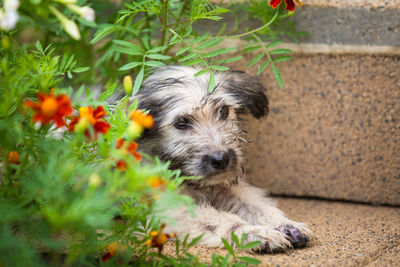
(200, 133)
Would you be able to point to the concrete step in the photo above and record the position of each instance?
(333, 130)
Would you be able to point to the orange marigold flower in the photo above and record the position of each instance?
(143, 120)
(157, 181)
(158, 239)
(289, 4)
(88, 116)
(112, 249)
(13, 157)
(50, 108)
(127, 148)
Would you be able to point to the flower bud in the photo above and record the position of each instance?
(69, 26)
(87, 13)
(82, 125)
(66, 2)
(128, 84)
(72, 29)
(13, 157)
(134, 130)
(94, 180)
(5, 42)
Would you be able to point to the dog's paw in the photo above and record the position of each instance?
(296, 237)
(272, 240)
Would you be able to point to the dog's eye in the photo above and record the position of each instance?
(224, 112)
(183, 123)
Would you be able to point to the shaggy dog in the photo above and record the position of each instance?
(199, 132)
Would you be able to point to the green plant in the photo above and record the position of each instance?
(82, 196)
(148, 34)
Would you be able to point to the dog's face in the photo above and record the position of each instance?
(197, 131)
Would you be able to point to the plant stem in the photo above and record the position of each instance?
(164, 21)
(255, 30)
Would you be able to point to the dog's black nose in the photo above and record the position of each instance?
(220, 160)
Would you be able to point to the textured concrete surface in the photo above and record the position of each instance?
(351, 25)
(372, 23)
(345, 235)
(354, 3)
(333, 131)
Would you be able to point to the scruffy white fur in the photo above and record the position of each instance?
(200, 133)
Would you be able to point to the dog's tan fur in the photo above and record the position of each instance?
(224, 201)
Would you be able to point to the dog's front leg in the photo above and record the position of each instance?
(251, 206)
(215, 224)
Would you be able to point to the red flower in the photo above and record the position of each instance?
(289, 4)
(127, 148)
(50, 108)
(88, 116)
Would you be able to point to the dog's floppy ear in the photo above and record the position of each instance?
(248, 92)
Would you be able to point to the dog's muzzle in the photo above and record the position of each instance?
(219, 161)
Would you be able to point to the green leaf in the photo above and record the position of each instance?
(229, 60)
(69, 74)
(138, 81)
(152, 63)
(199, 73)
(219, 52)
(225, 261)
(235, 239)
(130, 66)
(228, 247)
(80, 69)
(262, 67)
(211, 83)
(210, 43)
(158, 56)
(277, 75)
(250, 49)
(134, 48)
(243, 238)
(201, 38)
(106, 94)
(255, 60)
(182, 50)
(280, 51)
(127, 50)
(193, 62)
(185, 239)
(251, 245)
(100, 34)
(39, 47)
(249, 260)
(157, 49)
(187, 57)
(220, 68)
(280, 59)
(214, 260)
(187, 32)
(274, 43)
(195, 241)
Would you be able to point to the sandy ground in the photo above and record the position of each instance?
(346, 234)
